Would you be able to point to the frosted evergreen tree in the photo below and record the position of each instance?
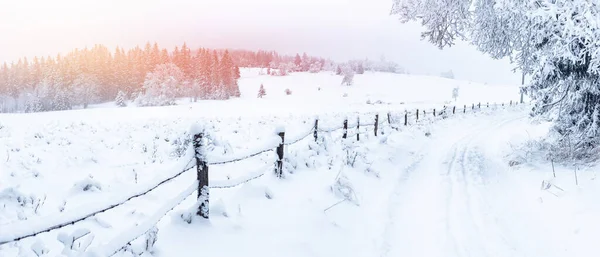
(261, 91)
(85, 90)
(555, 41)
(121, 99)
(348, 79)
(161, 86)
(315, 67)
(298, 63)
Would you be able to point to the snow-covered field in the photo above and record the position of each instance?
(440, 188)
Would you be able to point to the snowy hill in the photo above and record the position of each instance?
(73, 161)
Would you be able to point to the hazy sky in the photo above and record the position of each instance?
(338, 29)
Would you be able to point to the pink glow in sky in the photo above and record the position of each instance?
(338, 29)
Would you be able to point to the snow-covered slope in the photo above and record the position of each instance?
(60, 162)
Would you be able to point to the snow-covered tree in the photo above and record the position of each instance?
(161, 86)
(315, 67)
(261, 91)
(297, 63)
(447, 74)
(555, 41)
(85, 89)
(455, 93)
(121, 99)
(228, 80)
(360, 69)
(348, 79)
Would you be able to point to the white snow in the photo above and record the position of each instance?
(441, 186)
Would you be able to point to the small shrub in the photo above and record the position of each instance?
(288, 91)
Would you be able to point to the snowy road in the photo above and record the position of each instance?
(456, 201)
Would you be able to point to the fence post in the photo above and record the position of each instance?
(473, 107)
(502, 104)
(376, 123)
(389, 119)
(465, 109)
(405, 118)
(479, 105)
(433, 112)
(345, 128)
(358, 129)
(202, 176)
(510, 104)
(454, 109)
(488, 105)
(316, 129)
(279, 162)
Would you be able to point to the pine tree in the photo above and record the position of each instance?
(305, 62)
(236, 72)
(185, 60)
(164, 57)
(215, 79)
(298, 62)
(261, 91)
(85, 90)
(121, 99)
(227, 76)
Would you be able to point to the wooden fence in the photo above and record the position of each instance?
(25, 229)
(202, 164)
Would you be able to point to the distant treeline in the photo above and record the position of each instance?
(150, 75)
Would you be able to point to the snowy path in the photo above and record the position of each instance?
(456, 201)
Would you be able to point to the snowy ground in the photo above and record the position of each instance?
(442, 188)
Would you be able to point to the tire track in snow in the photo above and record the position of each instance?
(431, 212)
(392, 200)
(466, 225)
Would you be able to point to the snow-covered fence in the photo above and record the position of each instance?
(31, 227)
(28, 228)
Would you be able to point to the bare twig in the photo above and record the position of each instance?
(335, 204)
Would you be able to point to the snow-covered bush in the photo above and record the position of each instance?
(87, 184)
(342, 187)
(348, 79)
(150, 239)
(39, 248)
(285, 68)
(447, 74)
(15, 204)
